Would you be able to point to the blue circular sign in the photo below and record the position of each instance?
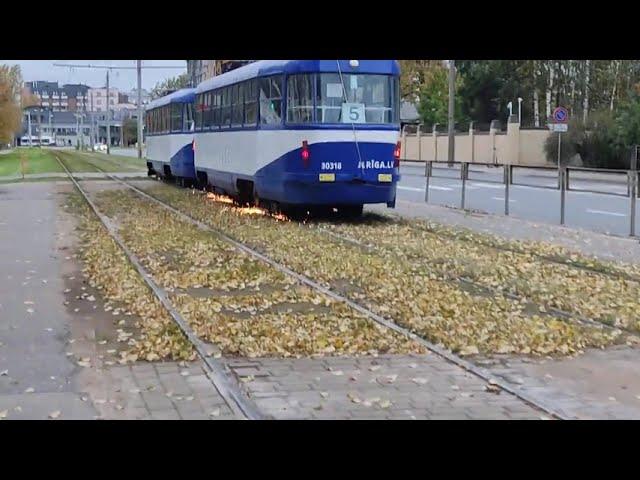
(560, 115)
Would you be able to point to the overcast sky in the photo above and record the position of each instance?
(124, 80)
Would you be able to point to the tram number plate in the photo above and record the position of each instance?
(384, 177)
(327, 177)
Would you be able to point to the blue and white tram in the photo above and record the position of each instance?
(169, 136)
(301, 133)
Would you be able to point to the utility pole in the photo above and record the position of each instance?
(452, 91)
(140, 112)
(108, 118)
(40, 128)
(91, 130)
(82, 131)
(30, 142)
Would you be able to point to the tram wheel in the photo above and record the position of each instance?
(351, 211)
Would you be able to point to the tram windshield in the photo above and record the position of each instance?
(364, 99)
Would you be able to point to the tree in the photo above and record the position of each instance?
(626, 132)
(413, 74)
(170, 84)
(10, 111)
(434, 97)
(130, 131)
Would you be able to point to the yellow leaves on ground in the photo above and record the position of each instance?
(108, 269)
(242, 305)
(410, 291)
(585, 293)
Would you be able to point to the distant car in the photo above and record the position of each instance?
(100, 147)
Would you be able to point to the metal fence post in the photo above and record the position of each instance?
(507, 174)
(633, 179)
(463, 167)
(403, 134)
(429, 164)
(419, 134)
(562, 193)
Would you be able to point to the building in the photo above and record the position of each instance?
(408, 114)
(201, 70)
(98, 99)
(70, 97)
(73, 128)
(133, 96)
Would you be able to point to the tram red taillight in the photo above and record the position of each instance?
(396, 155)
(305, 153)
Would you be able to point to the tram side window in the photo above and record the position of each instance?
(198, 112)
(225, 111)
(271, 100)
(300, 98)
(237, 105)
(206, 111)
(216, 101)
(251, 103)
(187, 116)
(176, 117)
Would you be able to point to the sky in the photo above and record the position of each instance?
(124, 80)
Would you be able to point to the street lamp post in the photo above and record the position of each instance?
(519, 110)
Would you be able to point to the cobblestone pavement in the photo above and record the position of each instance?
(600, 384)
(385, 387)
(605, 247)
(154, 391)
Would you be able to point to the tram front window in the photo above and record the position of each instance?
(365, 98)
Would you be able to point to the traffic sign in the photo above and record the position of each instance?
(560, 115)
(558, 127)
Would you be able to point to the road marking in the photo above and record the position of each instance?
(431, 187)
(604, 212)
(502, 199)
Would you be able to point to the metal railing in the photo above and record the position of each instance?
(561, 174)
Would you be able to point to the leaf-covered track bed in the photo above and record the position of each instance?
(587, 294)
(254, 319)
(108, 270)
(414, 298)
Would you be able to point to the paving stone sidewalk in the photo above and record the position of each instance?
(386, 387)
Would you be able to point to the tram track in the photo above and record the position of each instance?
(549, 310)
(612, 272)
(443, 353)
(221, 378)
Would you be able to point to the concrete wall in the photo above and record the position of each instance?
(516, 147)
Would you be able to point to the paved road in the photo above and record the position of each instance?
(593, 211)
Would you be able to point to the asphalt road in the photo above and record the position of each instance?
(594, 211)
(485, 192)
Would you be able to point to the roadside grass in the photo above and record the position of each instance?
(32, 160)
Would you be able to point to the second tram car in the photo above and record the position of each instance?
(169, 136)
